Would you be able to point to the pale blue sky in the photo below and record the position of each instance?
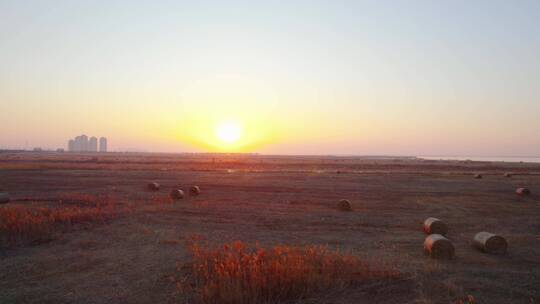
(343, 77)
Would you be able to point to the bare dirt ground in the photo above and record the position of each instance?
(274, 200)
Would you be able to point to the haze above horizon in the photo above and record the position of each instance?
(309, 77)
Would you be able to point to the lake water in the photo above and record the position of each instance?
(532, 159)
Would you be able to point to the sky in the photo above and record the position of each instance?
(288, 77)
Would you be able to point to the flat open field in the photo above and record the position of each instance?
(130, 258)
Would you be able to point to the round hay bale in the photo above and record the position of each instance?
(490, 243)
(478, 176)
(4, 198)
(508, 174)
(177, 194)
(194, 190)
(438, 247)
(345, 205)
(435, 226)
(523, 191)
(153, 186)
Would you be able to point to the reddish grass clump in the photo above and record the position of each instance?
(22, 224)
(234, 273)
(469, 299)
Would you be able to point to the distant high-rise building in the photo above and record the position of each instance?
(77, 146)
(71, 145)
(84, 143)
(92, 144)
(103, 144)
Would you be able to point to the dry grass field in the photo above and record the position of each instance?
(83, 228)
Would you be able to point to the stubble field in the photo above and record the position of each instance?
(121, 243)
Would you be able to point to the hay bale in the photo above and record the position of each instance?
(490, 243)
(177, 194)
(508, 174)
(438, 247)
(478, 176)
(194, 190)
(523, 191)
(435, 226)
(4, 198)
(345, 205)
(153, 186)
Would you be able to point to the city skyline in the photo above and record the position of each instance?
(83, 143)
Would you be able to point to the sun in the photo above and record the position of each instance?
(229, 131)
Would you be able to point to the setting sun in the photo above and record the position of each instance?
(229, 131)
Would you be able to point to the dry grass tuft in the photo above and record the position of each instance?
(469, 299)
(236, 274)
(23, 224)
